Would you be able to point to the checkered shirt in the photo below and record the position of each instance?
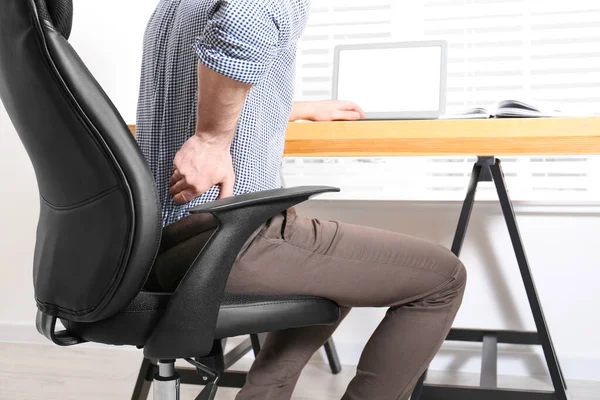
(252, 41)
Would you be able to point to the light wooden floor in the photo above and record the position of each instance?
(51, 373)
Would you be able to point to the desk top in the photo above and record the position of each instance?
(509, 136)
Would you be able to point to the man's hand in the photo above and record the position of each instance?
(326, 110)
(204, 160)
(198, 166)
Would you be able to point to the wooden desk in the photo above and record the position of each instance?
(485, 139)
(445, 137)
(525, 136)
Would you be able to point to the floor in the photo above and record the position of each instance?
(30, 371)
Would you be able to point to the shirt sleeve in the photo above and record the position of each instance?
(241, 39)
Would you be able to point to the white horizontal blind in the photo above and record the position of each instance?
(334, 22)
(531, 49)
(498, 49)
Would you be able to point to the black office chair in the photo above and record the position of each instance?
(99, 228)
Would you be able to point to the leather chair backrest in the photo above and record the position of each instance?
(59, 13)
(99, 223)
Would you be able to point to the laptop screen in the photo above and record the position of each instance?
(400, 79)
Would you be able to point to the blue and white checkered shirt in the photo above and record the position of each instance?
(252, 41)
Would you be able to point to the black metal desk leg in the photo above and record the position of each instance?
(489, 362)
(488, 169)
(478, 173)
(534, 301)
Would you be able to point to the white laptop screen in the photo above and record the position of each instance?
(384, 80)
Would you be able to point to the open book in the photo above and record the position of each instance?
(507, 109)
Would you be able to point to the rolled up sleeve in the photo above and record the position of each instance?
(241, 39)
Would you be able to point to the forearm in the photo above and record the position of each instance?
(220, 102)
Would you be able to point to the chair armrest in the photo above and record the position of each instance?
(188, 324)
(301, 193)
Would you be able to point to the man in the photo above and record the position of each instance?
(216, 97)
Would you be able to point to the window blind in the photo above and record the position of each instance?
(531, 50)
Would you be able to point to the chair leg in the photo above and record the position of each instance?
(330, 350)
(209, 392)
(257, 342)
(332, 356)
(144, 380)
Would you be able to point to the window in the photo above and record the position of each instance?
(530, 50)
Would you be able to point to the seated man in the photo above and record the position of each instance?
(216, 96)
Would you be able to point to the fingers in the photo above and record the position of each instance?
(184, 196)
(350, 106)
(176, 177)
(183, 192)
(227, 187)
(346, 115)
(179, 187)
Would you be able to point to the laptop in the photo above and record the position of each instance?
(402, 80)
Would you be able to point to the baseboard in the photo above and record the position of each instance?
(513, 360)
(25, 333)
(11, 332)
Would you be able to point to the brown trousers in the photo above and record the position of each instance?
(421, 283)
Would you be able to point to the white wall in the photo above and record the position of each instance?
(563, 254)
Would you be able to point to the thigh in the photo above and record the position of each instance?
(352, 265)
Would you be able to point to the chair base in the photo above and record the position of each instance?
(216, 363)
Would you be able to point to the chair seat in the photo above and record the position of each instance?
(239, 314)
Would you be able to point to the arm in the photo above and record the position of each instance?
(205, 159)
(326, 110)
(220, 102)
(235, 51)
